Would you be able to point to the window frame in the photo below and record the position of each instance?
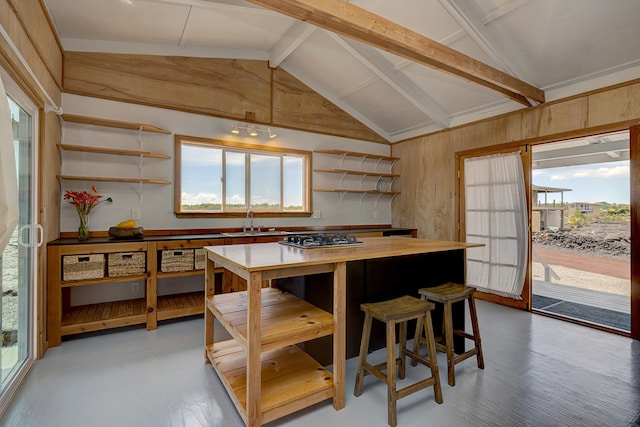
(306, 211)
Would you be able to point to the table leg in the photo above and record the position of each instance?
(254, 349)
(339, 333)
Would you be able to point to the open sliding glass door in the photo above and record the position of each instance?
(464, 206)
(634, 146)
(18, 259)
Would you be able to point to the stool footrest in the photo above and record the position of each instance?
(420, 385)
(463, 356)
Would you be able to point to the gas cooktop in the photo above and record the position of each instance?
(309, 241)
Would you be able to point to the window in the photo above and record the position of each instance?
(222, 178)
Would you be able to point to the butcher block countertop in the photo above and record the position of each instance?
(272, 256)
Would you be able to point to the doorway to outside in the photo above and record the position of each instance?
(581, 232)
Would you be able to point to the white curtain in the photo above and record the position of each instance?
(8, 174)
(496, 215)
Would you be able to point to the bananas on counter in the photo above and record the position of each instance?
(126, 229)
(130, 223)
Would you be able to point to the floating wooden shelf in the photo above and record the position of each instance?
(356, 154)
(112, 123)
(337, 190)
(291, 379)
(118, 152)
(96, 317)
(180, 305)
(106, 179)
(286, 319)
(363, 173)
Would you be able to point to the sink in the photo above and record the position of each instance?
(255, 233)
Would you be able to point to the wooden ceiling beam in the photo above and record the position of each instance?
(357, 23)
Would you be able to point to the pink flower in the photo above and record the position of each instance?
(85, 201)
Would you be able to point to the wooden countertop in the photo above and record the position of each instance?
(271, 256)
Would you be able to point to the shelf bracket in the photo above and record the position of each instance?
(342, 157)
(376, 202)
(391, 165)
(362, 198)
(362, 180)
(342, 177)
(362, 162)
(344, 193)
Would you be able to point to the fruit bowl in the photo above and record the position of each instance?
(125, 233)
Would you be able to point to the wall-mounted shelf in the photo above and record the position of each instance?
(96, 121)
(114, 151)
(383, 179)
(107, 179)
(72, 118)
(356, 154)
(363, 173)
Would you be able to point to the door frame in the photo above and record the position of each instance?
(634, 146)
(634, 165)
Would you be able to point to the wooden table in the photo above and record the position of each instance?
(262, 369)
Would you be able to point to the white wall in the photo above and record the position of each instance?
(156, 201)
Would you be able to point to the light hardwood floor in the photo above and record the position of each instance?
(538, 372)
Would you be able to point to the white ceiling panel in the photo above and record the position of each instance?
(405, 115)
(119, 20)
(226, 27)
(559, 46)
(318, 57)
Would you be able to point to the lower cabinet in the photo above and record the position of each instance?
(125, 283)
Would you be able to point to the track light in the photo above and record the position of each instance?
(251, 130)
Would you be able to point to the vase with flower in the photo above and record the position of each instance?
(84, 203)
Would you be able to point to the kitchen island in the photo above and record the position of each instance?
(264, 371)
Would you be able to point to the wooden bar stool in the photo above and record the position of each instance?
(448, 294)
(392, 312)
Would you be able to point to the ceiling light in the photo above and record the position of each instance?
(251, 130)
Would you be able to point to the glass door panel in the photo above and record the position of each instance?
(17, 260)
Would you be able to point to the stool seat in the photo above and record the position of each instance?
(448, 294)
(394, 312)
(452, 292)
(398, 308)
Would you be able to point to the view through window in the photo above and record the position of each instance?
(220, 177)
(581, 229)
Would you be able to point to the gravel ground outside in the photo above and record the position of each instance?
(595, 257)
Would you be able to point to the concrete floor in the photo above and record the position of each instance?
(538, 372)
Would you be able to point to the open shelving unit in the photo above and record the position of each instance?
(290, 378)
(95, 121)
(384, 179)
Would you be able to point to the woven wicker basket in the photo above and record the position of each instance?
(83, 267)
(126, 263)
(176, 260)
(200, 259)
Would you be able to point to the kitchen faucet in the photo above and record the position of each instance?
(250, 216)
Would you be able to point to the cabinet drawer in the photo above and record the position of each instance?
(176, 260)
(83, 267)
(126, 264)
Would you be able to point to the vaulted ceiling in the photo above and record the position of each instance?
(403, 67)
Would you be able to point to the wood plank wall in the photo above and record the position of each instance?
(28, 26)
(228, 88)
(427, 164)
